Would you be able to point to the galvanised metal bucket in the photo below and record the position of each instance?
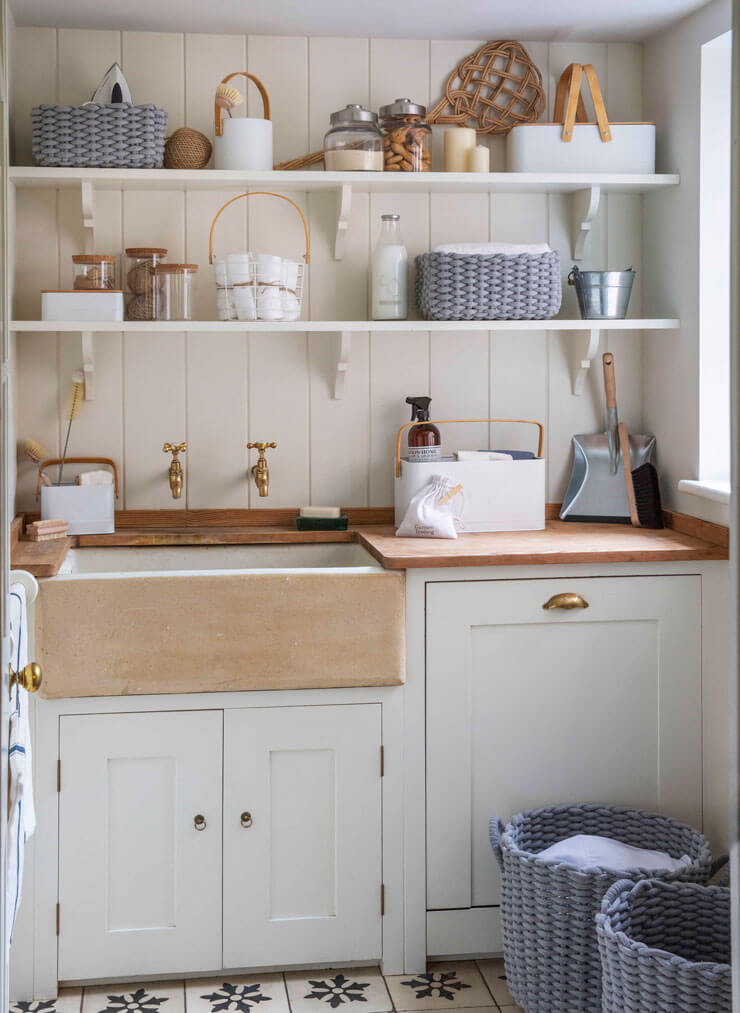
(602, 295)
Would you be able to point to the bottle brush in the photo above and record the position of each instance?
(78, 387)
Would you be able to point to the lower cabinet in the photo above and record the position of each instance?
(529, 707)
(155, 879)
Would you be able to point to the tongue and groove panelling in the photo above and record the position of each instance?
(216, 390)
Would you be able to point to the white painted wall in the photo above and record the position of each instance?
(218, 391)
(671, 377)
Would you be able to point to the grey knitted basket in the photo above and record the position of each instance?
(116, 136)
(548, 908)
(460, 286)
(665, 948)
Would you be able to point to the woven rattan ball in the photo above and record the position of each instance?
(187, 149)
(141, 307)
(141, 278)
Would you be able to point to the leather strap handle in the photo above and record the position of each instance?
(571, 83)
(51, 461)
(218, 113)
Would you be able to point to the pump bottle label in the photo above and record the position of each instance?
(424, 455)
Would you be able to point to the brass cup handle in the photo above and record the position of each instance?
(29, 677)
(199, 822)
(566, 600)
(246, 820)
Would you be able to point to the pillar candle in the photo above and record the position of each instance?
(458, 140)
(479, 159)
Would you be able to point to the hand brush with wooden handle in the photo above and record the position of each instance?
(78, 386)
(643, 490)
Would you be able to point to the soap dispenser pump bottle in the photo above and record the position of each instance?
(425, 443)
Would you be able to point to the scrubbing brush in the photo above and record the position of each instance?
(37, 454)
(643, 489)
(78, 388)
(227, 97)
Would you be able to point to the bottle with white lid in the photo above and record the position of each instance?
(390, 274)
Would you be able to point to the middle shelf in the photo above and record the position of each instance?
(344, 329)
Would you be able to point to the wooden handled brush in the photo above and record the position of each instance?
(643, 490)
(37, 453)
(78, 388)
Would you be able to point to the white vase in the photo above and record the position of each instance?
(246, 143)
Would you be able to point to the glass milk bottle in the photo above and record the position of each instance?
(390, 275)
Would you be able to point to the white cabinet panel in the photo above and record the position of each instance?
(140, 885)
(527, 707)
(302, 835)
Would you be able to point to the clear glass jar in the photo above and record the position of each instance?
(174, 291)
(354, 141)
(405, 137)
(141, 262)
(94, 271)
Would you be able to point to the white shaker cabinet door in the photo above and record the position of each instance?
(302, 835)
(140, 883)
(529, 707)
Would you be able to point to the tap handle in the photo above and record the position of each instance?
(262, 447)
(174, 449)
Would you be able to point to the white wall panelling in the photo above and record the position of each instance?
(219, 390)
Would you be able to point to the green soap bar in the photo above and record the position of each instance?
(322, 523)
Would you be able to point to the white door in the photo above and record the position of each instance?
(302, 835)
(529, 707)
(140, 844)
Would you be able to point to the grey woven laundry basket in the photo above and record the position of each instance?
(461, 286)
(665, 948)
(115, 136)
(548, 908)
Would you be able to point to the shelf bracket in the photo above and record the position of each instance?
(88, 363)
(87, 197)
(344, 350)
(579, 380)
(584, 210)
(344, 207)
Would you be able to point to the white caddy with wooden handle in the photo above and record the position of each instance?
(572, 144)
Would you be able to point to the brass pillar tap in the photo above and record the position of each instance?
(175, 466)
(260, 470)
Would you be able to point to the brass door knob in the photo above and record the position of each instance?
(199, 822)
(29, 677)
(246, 820)
(566, 600)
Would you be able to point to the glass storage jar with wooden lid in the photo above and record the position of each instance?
(405, 137)
(174, 288)
(140, 264)
(94, 271)
(354, 141)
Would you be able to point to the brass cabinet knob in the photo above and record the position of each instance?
(199, 822)
(566, 600)
(246, 820)
(29, 677)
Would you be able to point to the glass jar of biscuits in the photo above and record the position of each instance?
(405, 137)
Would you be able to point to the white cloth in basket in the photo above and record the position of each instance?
(489, 249)
(589, 851)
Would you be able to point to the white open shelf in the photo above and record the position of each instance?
(586, 188)
(344, 329)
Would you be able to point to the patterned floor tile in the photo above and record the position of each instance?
(338, 988)
(68, 1001)
(494, 973)
(135, 997)
(237, 994)
(451, 985)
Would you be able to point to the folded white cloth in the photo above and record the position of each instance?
(488, 249)
(100, 477)
(482, 455)
(21, 812)
(588, 851)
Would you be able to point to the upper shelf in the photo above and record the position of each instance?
(361, 182)
(340, 326)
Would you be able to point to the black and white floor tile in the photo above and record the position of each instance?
(473, 986)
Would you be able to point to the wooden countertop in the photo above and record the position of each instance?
(685, 538)
(561, 542)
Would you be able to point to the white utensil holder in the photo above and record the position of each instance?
(87, 509)
(496, 495)
(244, 142)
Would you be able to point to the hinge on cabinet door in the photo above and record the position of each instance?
(382, 899)
(58, 918)
(382, 761)
(59, 776)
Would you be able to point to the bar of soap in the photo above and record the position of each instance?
(320, 511)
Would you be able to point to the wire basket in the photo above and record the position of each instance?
(259, 286)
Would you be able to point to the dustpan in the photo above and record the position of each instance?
(597, 491)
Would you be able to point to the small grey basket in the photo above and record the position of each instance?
(116, 136)
(548, 908)
(461, 286)
(665, 946)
